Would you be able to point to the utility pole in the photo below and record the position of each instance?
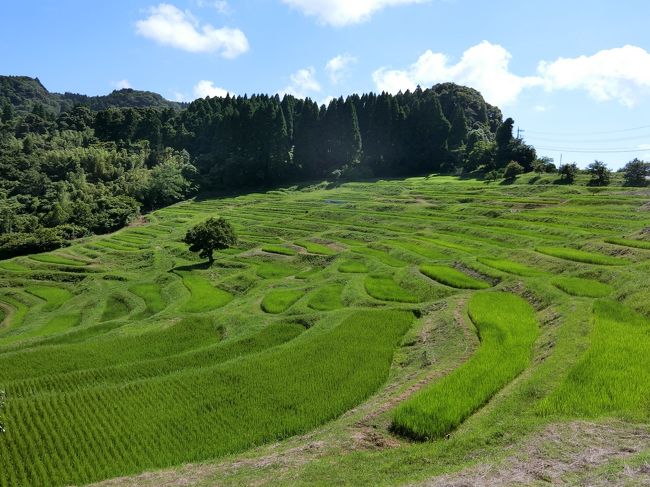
(519, 132)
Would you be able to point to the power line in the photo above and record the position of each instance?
(590, 151)
(593, 141)
(591, 133)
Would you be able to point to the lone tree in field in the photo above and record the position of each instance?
(210, 235)
(568, 172)
(600, 175)
(635, 173)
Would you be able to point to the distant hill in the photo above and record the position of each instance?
(24, 93)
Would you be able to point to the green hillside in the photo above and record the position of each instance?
(408, 328)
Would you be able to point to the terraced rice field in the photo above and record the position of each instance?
(409, 327)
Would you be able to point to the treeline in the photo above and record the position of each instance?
(84, 171)
(256, 140)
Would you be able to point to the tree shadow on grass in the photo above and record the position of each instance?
(199, 266)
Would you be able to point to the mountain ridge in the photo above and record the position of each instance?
(25, 93)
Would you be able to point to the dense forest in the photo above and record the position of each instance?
(73, 165)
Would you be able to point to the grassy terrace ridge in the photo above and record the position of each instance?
(581, 256)
(627, 242)
(364, 315)
(577, 286)
(507, 328)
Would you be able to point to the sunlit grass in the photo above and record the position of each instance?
(576, 286)
(507, 328)
(384, 288)
(581, 256)
(612, 377)
(279, 300)
(452, 277)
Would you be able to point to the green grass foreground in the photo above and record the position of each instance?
(507, 328)
(201, 412)
(612, 378)
(127, 353)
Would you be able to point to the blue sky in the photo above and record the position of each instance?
(574, 75)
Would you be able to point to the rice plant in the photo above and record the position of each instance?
(151, 294)
(576, 286)
(279, 300)
(56, 259)
(384, 288)
(612, 377)
(507, 328)
(315, 248)
(628, 242)
(203, 295)
(353, 267)
(452, 277)
(196, 414)
(581, 256)
(326, 298)
(53, 296)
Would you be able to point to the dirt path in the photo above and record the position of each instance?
(563, 454)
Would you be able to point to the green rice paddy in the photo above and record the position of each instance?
(416, 328)
(507, 329)
(581, 256)
(452, 277)
(279, 300)
(576, 286)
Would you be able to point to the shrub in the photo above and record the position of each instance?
(635, 173)
(512, 170)
(41, 240)
(568, 172)
(492, 175)
(600, 174)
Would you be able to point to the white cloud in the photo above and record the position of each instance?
(303, 83)
(484, 67)
(326, 101)
(221, 6)
(170, 26)
(338, 66)
(207, 88)
(121, 84)
(344, 12)
(540, 108)
(621, 74)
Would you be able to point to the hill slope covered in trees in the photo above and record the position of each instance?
(26, 93)
(74, 165)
